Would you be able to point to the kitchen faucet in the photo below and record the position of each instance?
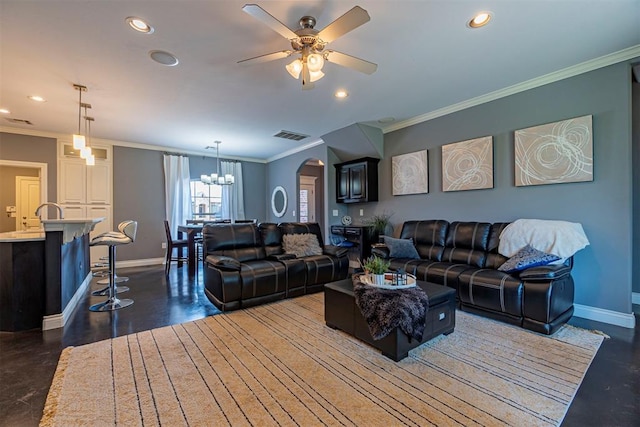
(49, 204)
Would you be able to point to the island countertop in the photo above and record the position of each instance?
(22, 236)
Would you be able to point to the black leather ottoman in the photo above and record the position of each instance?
(341, 312)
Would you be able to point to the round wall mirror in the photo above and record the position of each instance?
(279, 201)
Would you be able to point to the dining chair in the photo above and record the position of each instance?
(171, 245)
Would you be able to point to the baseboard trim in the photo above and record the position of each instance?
(55, 321)
(626, 320)
(635, 298)
(139, 262)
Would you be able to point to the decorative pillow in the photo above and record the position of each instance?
(527, 257)
(301, 245)
(401, 248)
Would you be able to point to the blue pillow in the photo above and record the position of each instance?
(401, 248)
(527, 257)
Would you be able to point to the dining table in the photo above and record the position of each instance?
(191, 231)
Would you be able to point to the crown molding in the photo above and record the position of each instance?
(584, 67)
(66, 138)
(288, 153)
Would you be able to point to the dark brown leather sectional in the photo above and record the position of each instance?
(245, 264)
(464, 256)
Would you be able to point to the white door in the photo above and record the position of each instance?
(27, 201)
(307, 199)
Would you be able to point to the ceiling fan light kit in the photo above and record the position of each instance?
(310, 44)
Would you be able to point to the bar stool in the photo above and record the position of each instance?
(106, 273)
(113, 239)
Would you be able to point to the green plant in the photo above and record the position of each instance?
(375, 265)
(379, 222)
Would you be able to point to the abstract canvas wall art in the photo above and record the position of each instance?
(410, 173)
(468, 165)
(555, 153)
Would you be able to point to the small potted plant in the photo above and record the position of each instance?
(376, 267)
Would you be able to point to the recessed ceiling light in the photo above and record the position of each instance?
(36, 98)
(341, 94)
(164, 58)
(4, 111)
(480, 20)
(139, 24)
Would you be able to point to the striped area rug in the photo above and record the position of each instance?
(278, 364)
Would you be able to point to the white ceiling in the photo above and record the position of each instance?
(427, 59)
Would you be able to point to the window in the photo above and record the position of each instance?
(206, 200)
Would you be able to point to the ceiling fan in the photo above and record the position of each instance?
(310, 44)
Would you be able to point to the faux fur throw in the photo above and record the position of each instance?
(387, 309)
(301, 245)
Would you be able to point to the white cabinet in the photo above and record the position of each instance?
(72, 186)
(84, 184)
(85, 191)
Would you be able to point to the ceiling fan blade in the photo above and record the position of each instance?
(266, 18)
(351, 62)
(347, 22)
(306, 78)
(267, 57)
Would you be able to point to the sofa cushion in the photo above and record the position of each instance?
(429, 237)
(240, 241)
(491, 290)
(467, 243)
(301, 245)
(401, 248)
(527, 257)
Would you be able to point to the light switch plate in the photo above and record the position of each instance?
(361, 212)
(335, 212)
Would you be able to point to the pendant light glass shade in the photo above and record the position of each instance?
(78, 141)
(91, 160)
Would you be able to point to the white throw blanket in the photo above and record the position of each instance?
(560, 238)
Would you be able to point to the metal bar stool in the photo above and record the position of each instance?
(112, 240)
(106, 272)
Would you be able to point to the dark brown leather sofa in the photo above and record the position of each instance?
(245, 264)
(464, 256)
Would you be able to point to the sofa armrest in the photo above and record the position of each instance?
(380, 250)
(223, 262)
(281, 257)
(335, 251)
(546, 272)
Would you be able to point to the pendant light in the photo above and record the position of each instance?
(217, 178)
(86, 152)
(79, 139)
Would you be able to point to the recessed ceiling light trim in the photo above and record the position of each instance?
(164, 58)
(139, 25)
(36, 98)
(341, 93)
(480, 19)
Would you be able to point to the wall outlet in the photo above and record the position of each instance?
(361, 212)
(335, 212)
(164, 245)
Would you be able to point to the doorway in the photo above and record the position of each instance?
(10, 170)
(307, 198)
(310, 183)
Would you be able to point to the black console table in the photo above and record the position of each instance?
(360, 236)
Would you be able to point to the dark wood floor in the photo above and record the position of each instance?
(609, 395)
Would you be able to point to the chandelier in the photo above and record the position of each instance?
(217, 178)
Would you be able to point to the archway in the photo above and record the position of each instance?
(310, 192)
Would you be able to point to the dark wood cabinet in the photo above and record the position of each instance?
(357, 181)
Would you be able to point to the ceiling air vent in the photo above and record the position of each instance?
(19, 121)
(290, 135)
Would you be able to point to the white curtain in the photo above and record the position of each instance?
(177, 190)
(233, 195)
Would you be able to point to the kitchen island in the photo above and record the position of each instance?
(44, 273)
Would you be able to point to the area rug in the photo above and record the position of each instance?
(278, 364)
